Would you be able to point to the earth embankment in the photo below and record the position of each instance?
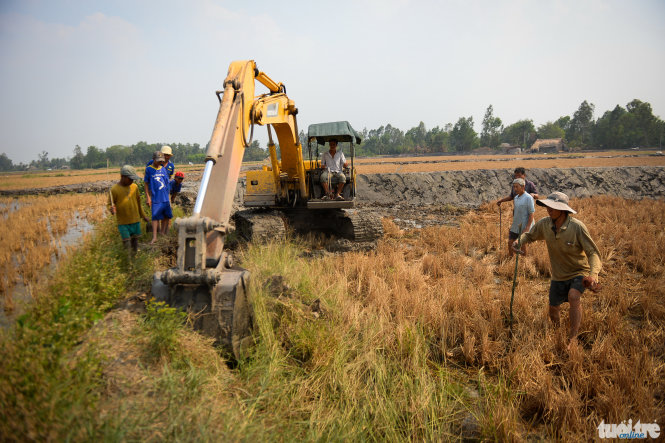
(466, 189)
(472, 188)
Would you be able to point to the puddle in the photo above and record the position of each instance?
(6, 209)
(21, 293)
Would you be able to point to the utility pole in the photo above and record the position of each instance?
(524, 140)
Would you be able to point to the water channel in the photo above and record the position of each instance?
(21, 293)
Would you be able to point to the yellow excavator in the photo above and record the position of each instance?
(286, 193)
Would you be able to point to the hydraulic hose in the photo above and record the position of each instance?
(251, 122)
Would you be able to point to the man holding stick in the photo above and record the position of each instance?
(125, 204)
(529, 189)
(574, 258)
(522, 213)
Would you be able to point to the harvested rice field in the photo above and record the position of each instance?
(36, 231)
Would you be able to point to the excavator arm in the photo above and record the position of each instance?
(205, 280)
(239, 111)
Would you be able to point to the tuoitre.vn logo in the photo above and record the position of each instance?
(627, 430)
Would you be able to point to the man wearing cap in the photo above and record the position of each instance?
(157, 195)
(125, 204)
(522, 213)
(574, 258)
(168, 153)
(175, 185)
(333, 161)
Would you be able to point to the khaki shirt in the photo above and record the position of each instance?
(572, 251)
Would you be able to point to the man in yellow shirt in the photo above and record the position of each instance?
(125, 204)
(574, 258)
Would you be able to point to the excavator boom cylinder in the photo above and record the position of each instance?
(269, 83)
(200, 197)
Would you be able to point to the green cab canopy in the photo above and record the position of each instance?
(323, 132)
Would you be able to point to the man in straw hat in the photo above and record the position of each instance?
(574, 258)
(125, 204)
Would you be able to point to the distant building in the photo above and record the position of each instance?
(483, 150)
(549, 145)
(507, 148)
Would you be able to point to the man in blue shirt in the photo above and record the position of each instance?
(529, 186)
(168, 153)
(522, 214)
(157, 191)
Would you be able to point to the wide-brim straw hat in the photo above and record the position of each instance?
(558, 201)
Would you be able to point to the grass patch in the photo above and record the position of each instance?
(45, 391)
(161, 323)
(336, 375)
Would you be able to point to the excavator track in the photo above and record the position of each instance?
(259, 225)
(354, 225)
(359, 226)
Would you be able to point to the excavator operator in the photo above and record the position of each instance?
(333, 162)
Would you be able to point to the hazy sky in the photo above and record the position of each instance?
(102, 73)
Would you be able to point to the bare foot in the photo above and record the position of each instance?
(572, 343)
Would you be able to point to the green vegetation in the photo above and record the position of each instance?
(77, 367)
(161, 323)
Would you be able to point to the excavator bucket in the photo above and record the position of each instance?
(213, 292)
(220, 310)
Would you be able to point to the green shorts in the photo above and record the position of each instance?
(130, 230)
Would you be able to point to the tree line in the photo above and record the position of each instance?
(621, 128)
(117, 155)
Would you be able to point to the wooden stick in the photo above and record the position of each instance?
(512, 295)
(500, 227)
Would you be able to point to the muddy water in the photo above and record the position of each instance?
(22, 293)
(6, 209)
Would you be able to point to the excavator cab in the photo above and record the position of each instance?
(319, 135)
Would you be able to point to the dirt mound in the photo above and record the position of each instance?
(79, 188)
(472, 188)
(465, 189)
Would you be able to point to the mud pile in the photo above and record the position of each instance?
(472, 188)
(81, 188)
(464, 189)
